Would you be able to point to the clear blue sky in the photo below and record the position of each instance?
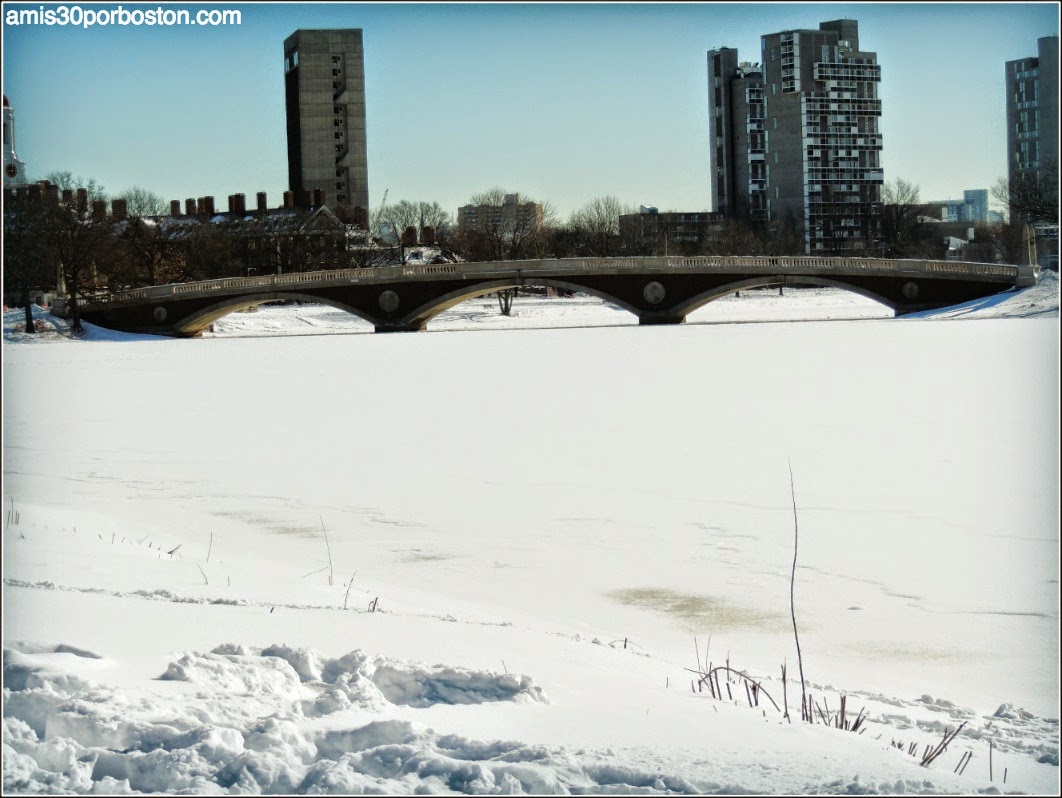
(561, 102)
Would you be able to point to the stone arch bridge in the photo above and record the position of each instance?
(656, 290)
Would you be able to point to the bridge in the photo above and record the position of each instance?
(656, 290)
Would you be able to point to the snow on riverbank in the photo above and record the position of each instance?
(486, 561)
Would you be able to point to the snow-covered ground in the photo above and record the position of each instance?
(487, 560)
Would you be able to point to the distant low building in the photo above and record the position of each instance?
(973, 207)
(511, 214)
(673, 232)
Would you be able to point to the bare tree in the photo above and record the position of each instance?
(141, 203)
(902, 214)
(505, 300)
(28, 255)
(145, 243)
(784, 237)
(596, 226)
(400, 215)
(431, 214)
(735, 236)
(206, 253)
(81, 238)
(66, 181)
(509, 231)
(1032, 196)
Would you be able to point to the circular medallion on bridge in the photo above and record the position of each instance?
(910, 291)
(389, 301)
(654, 293)
(160, 313)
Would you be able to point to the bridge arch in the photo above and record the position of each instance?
(195, 323)
(767, 281)
(429, 310)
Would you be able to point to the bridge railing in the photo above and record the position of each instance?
(557, 267)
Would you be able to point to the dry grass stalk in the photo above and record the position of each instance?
(785, 695)
(792, 599)
(752, 687)
(964, 760)
(932, 753)
(329, 547)
(349, 585)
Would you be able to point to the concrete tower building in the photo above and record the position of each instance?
(796, 137)
(324, 83)
(738, 152)
(1032, 113)
(14, 169)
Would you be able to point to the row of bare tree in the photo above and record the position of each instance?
(68, 247)
(58, 245)
(594, 230)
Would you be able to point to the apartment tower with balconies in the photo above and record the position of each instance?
(796, 137)
(1032, 115)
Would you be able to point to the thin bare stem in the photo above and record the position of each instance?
(329, 547)
(350, 584)
(792, 582)
(785, 695)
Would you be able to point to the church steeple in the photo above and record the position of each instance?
(14, 169)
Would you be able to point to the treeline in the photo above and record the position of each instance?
(80, 246)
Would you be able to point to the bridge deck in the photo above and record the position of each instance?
(657, 290)
(527, 270)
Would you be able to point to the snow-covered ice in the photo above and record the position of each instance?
(293, 556)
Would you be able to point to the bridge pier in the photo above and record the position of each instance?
(399, 326)
(660, 318)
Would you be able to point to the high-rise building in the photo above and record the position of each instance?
(1032, 113)
(738, 151)
(324, 82)
(14, 168)
(796, 138)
